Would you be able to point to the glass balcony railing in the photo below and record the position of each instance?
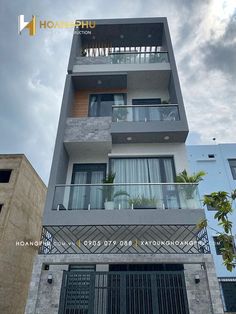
(131, 196)
(125, 58)
(145, 113)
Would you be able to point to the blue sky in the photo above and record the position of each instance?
(33, 69)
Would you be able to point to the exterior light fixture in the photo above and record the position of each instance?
(197, 279)
(149, 35)
(129, 138)
(46, 267)
(50, 278)
(166, 138)
(122, 36)
(99, 82)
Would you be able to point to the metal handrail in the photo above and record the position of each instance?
(151, 105)
(134, 52)
(118, 184)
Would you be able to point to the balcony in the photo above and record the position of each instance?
(124, 204)
(123, 61)
(127, 196)
(125, 58)
(145, 113)
(86, 218)
(148, 124)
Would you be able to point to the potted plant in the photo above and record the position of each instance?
(109, 191)
(142, 202)
(189, 190)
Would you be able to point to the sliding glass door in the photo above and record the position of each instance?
(146, 171)
(84, 195)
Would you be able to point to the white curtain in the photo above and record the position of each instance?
(93, 106)
(171, 192)
(119, 100)
(78, 193)
(155, 177)
(96, 198)
(145, 170)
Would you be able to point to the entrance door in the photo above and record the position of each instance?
(124, 289)
(147, 289)
(77, 291)
(84, 194)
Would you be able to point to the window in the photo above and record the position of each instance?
(83, 197)
(210, 208)
(150, 170)
(5, 175)
(232, 164)
(218, 245)
(100, 105)
(1, 205)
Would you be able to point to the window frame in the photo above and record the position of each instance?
(232, 168)
(162, 171)
(99, 95)
(218, 245)
(9, 177)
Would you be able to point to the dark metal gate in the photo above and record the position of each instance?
(149, 292)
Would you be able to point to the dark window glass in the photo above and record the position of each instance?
(150, 101)
(210, 207)
(5, 175)
(100, 105)
(229, 293)
(232, 164)
(1, 205)
(219, 245)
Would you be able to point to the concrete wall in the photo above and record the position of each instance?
(20, 220)
(203, 298)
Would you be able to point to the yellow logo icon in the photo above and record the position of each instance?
(30, 25)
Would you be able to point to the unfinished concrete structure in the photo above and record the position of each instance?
(22, 197)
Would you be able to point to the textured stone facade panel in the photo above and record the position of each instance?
(93, 129)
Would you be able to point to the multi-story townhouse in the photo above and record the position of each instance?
(128, 244)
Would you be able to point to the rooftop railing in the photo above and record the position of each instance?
(125, 58)
(145, 113)
(126, 196)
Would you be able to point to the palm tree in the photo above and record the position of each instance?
(183, 177)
